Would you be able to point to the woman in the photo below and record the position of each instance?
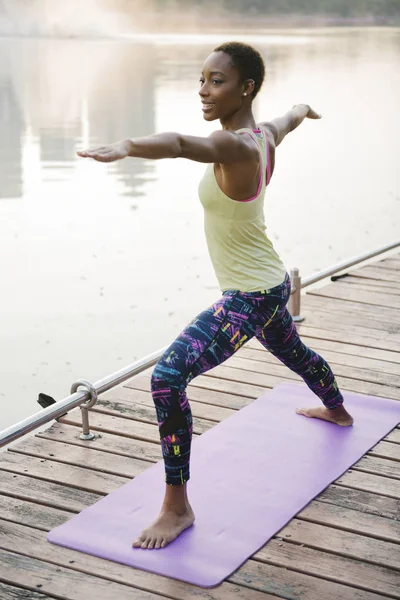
(252, 277)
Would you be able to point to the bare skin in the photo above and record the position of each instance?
(340, 416)
(236, 158)
(176, 515)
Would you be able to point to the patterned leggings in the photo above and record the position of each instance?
(211, 338)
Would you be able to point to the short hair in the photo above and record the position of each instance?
(247, 60)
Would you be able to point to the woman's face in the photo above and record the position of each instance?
(221, 90)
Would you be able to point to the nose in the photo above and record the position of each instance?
(203, 91)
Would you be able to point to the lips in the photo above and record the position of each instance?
(207, 106)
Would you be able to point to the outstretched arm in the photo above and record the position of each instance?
(224, 147)
(281, 126)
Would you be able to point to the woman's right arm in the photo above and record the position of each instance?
(281, 126)
(225, 147)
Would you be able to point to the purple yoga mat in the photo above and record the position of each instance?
(250, 474)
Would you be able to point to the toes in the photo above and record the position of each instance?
(145, 544)
(137, 543)
(152, 543)
(158, 543)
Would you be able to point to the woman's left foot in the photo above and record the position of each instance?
(166, 528)
(340, 416)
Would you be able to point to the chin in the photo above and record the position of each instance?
(210, 118)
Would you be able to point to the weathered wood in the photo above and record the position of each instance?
(387, 342)
(121, 398)
(113, 424)
(211, 397)
(386, 450)
(334, 357)
(75, 477)
(368, 285)
(392, 263)
(340, 290)
(10, 592)
(378, 466)
(45, 492)
(351, 520)
(365, 502)
(361, 575)
(24, 540)
(394, 436)
(351, 545)
(88, 457)
(376, 273)
(273, 366)
(107, 442)
(332, 316)
(360, 313)
(65, 583)
(382, 486)
(31, 514)
(295, 586)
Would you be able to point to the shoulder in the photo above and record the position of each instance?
(271, 132)
(246, 143)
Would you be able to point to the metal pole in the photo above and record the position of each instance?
(295, 296)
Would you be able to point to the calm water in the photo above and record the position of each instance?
(101, 265)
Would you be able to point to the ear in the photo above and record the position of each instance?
(248, 87)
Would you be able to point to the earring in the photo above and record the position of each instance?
(245, 94)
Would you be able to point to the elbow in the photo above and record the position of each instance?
(177, 146)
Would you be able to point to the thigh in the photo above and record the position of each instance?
(212, 337)
(281, 338)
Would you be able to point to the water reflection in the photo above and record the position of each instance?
(57, 94)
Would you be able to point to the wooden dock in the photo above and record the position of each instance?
(345, 545)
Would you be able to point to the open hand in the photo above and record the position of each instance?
(109, 153)
(309, 112)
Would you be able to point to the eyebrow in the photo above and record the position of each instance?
(215, 73)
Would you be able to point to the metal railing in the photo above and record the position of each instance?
(88, 397)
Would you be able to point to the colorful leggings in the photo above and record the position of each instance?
(211, 338)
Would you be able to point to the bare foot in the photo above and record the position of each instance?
(169, 524)
(340, 416)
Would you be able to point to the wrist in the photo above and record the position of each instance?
(128, 146)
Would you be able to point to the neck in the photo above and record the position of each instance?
(240, 119)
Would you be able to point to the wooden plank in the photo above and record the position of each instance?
(370, 285)
(361, 313)
(32, 543)
(386, 450)
(32, 514)
(272, 365)
(211, 397)
(372, 272)
(10, 592)
(351, 520)
(354, 349)
(392, 263)
(378, 466)
(344, 292)
(295, 586)
(350, 545)
(334, 357)
(230, 374)
(47, 470)
(363, 576)
(106, 442)
(382, 486)
(367, 339)
(121, 398)
(394, 436)
(45, 492)
(338, 320)
(366, 502)
(113, 424)
(65, 583)
(81, 456)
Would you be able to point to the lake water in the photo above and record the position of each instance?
(103, 264)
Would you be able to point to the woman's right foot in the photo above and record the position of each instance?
(166, 528)
(340, 416)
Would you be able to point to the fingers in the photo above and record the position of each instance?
(103, 154)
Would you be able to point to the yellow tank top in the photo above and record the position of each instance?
(243, 257)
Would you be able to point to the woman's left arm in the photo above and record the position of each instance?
(224, 147)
